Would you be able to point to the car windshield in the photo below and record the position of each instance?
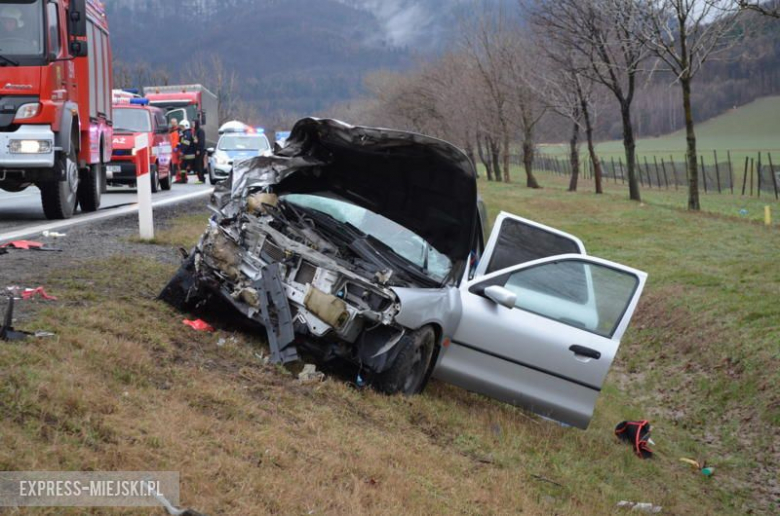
(405, 243)
(177, 110)
(21, 28)
(243, 142)
(132, 120)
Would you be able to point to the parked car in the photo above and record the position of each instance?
(130, 121)
(232, 147)
(366, 245)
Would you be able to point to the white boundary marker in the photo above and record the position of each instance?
(144, 187)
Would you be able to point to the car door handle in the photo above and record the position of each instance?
(585, 352)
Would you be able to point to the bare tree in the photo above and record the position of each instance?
(210, 71)
(570, 95)
(683, 34)
(602, 33)
(769, 8)
(138, 75)
(486, 39)
(529, 103)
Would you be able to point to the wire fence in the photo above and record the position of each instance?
(755, 176)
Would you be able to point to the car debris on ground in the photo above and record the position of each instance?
(309, 374)
(647, 508)
(27, 245)
(637, 434)
(368, 246)
(199, 325)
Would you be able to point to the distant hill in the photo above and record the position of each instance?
(747, 129)
(291, 55)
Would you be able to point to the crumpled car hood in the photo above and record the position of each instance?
(422, 183)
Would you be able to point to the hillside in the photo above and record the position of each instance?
(744, 131)
(291, 56)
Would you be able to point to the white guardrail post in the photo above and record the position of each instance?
(144, 185)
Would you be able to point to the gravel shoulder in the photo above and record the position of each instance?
(86, 243)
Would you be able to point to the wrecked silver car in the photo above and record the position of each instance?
(367, 245)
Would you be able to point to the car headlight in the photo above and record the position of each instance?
(27, 111)
(222, 159)
(30, 146)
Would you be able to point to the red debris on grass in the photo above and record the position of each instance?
(198, 325)
(30, 293)
(24, 245)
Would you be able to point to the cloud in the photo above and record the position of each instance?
(407, 22)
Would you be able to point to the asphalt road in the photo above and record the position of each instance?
(21, 213)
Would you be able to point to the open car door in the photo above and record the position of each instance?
(541, 334)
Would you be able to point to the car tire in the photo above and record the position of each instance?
(59, 198)
(154, 175)
(90, 188)
(409, 372)
(165, 183)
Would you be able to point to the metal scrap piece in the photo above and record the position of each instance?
(276, 315)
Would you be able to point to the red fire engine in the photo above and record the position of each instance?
(55, 101)
(134, 117)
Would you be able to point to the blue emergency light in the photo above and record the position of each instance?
(140, 102)
(260, 130)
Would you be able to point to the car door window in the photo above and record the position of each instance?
(520, 242)
(589, 296)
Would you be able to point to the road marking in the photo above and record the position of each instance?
(94, 217)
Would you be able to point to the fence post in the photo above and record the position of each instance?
(758, 177)
(622, 175)
(752, 168)
(772, 171)
(717, 169)
(703, 173)
(744, 176)
(647, 171)
(674, 171)
(731, 173)
(666, 178)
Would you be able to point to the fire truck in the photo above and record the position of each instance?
(188, 102)
(55, 101)
(134, 117)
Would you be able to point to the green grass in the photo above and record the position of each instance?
(125, 386)
(744, 131)
(705, 346)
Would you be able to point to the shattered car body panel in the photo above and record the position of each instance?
(367, 245)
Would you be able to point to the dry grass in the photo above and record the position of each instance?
(126, 386)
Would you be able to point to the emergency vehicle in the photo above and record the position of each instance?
(133, 116)
(237, 142)
(55, 101)
(188, 102)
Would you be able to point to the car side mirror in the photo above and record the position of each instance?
(501, 296)
(210, 151)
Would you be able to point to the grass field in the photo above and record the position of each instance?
(744, 131)
(126, 387)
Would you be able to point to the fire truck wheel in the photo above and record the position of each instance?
(90, 188)
(154, 175)
(165, 183)
(59, 198)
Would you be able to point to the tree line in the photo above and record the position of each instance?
(576, 59)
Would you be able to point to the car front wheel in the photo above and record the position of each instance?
(409, 371)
